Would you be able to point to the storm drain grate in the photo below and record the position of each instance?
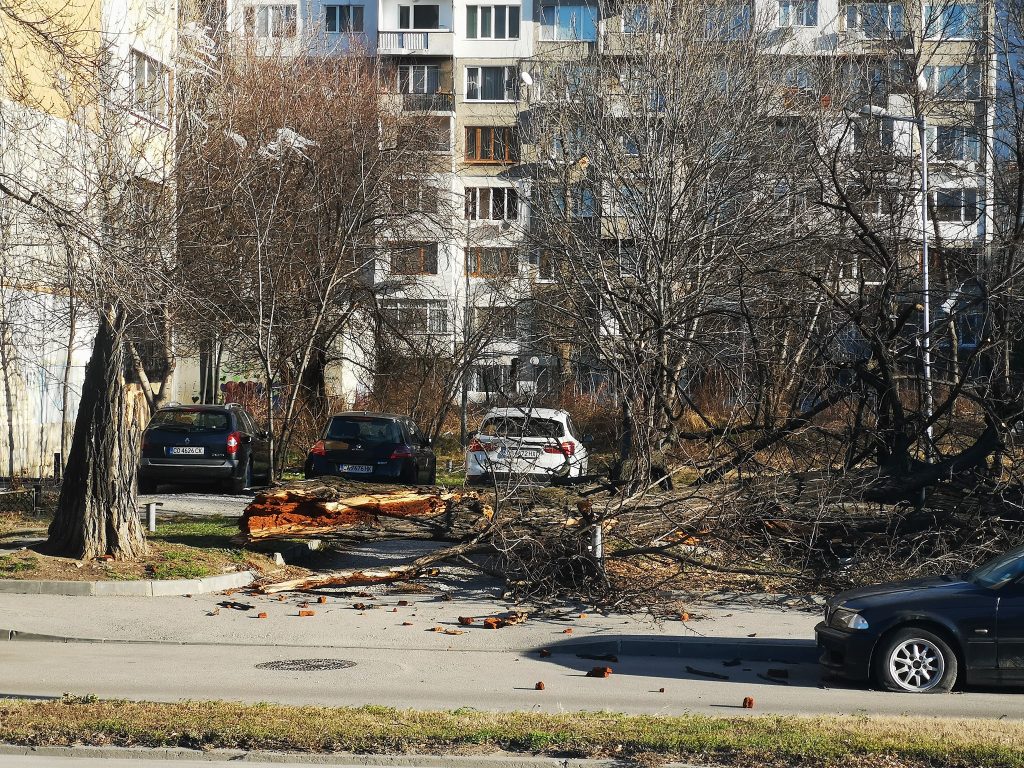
(306, 665)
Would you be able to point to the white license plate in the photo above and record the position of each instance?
(523, 454)
(186, 451)
(360, 469)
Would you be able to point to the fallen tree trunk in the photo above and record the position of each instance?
(324, 506)
(364, 577)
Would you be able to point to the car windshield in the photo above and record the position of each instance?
(190, 420)
(999, 570)
(364, 430)
(521, 426)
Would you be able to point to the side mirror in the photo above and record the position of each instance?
(471, 435)
(263, 434)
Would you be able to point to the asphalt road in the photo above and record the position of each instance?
(181, 500)
(446, 679)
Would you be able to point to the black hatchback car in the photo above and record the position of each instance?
(204, 443)
(924, 635)
(373, 446)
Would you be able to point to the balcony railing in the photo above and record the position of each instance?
(428, 102)
(433, 42)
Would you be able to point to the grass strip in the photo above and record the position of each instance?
(753, 740)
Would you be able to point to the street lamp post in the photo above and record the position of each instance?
(922, 131)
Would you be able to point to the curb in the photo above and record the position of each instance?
(143, 588)
(346, 759)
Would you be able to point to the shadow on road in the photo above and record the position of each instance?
(762, 661)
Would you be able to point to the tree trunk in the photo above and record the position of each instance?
(5, 367)
(97, 512)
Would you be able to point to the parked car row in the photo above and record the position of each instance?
(221, 444)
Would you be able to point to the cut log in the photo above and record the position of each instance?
(318, 507)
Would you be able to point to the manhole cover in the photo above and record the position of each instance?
(306, 665)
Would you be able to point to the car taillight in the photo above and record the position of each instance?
(476, 446)
(566, 449)
(318, 449)
(233, 440)
(402, 452)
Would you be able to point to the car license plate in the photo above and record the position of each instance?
(361, 469)
(185, 450)
(523, 454)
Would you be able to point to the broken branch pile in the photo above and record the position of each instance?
(325, 505)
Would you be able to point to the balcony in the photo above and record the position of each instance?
(426, 42)
(428, 102)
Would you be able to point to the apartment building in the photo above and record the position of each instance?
(468, 70)
(58, 112)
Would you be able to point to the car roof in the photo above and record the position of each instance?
(535, 413)
(371, 414)
(197, 407)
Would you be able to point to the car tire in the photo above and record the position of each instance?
(476, 480)
(147, 485)
(432, 477)
(239, 484)
(914, 660)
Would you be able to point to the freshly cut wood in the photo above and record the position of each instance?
(325, 505)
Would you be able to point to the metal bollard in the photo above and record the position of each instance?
(151, 515)
(57, 468)
(37, 498)
(449, 466)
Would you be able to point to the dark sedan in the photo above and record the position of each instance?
(924, 635)
(373, 446)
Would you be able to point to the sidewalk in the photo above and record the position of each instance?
(396, 621)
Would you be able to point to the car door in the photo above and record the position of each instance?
(260, 446)
(416, 442)
(1010, 631)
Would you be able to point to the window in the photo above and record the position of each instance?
(569, 22)
(430, 134)
(419, 78)
(271, 21)
(491, 379)
(344, 18)
(491, 145)
(635, 20)
(952, 19)
(149, 86)
(953, 142)
(492, 83)
(414, 196)
(544, 261)
(493, 262)
(954, 82)
(492, 22)
(413, 258)
(582, 201)
(956, 205)
(798, 13)
(728, 21)
(876, 21)
(496, 322)
(416, 316)
(627, 200)
(492, 203)
(874, 135)
(419, 17)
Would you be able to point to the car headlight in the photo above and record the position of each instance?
(842, 618)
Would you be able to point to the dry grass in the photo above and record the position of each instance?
(760, 740)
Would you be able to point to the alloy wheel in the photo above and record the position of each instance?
(917, 665)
